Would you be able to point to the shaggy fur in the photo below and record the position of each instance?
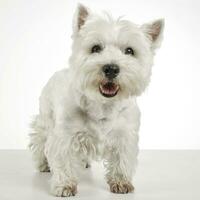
(76, 123)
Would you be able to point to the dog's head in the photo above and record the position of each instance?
(112, 59)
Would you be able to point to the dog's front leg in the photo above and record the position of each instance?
(120, 156)
(65, 150)
(62, 163)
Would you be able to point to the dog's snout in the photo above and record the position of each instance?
(111, 70)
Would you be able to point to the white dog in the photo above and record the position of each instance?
(89, 110)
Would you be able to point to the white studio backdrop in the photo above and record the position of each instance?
(35, 40)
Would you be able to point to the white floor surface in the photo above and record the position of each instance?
(161, 175)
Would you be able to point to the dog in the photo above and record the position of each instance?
(88, 111)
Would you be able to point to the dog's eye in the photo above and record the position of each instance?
(129, 51)
(96, 49)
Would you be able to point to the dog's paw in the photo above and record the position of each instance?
(121, 187)
(64, 191)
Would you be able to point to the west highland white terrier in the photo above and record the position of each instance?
(89, 111)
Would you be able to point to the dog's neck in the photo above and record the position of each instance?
(100, 110)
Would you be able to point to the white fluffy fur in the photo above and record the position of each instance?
(76, 123)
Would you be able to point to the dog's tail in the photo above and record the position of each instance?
(38, 136)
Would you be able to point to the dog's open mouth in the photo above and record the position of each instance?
(108, 88)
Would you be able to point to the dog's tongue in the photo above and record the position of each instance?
(109, 86)
(109, 89)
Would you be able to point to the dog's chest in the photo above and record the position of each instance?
(102, 117)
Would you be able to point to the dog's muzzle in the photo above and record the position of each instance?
(108, 87)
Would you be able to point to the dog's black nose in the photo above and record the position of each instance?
(111, 70)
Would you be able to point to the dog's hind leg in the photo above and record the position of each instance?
(40, 128)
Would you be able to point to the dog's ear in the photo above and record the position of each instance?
(154, 31)
(80, 17)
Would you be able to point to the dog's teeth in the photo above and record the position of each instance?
(107, 91)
